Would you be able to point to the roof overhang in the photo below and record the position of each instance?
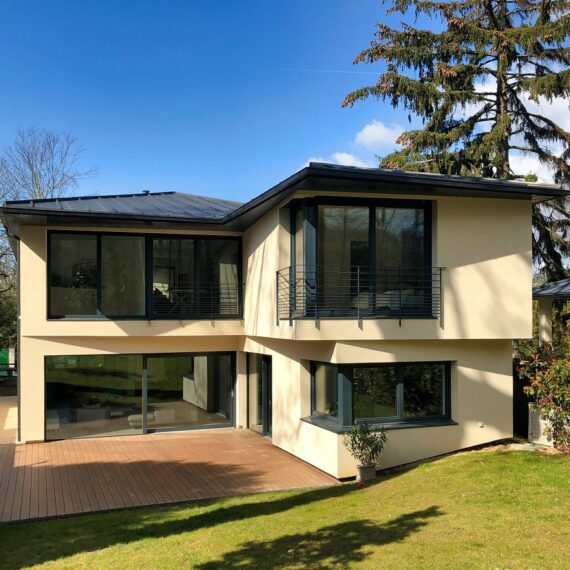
(315, 177)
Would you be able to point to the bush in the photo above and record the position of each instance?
(365, 444)
(549, 387)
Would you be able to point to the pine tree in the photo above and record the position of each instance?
(472, 84)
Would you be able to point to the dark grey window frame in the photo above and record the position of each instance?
(310, 207)
(148, 276)
(345, 405)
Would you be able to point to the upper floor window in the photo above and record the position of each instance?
(134, 276)
(361, 257)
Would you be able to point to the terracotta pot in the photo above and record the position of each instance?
(366, 472)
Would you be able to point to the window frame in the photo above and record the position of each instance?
(147, 276)
(311, 236)
(144, 378)
(346, 397)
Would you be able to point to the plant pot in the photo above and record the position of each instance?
(366, 472)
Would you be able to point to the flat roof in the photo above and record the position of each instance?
(177, 209)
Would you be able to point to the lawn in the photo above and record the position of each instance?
(481, 509)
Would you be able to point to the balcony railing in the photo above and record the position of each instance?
(206, 300)
(317, 292)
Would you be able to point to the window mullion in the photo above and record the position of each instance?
(345, 396)
(399, 392)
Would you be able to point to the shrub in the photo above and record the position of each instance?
(549, 387)
(365, 444)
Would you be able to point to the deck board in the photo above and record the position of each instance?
(44, 480)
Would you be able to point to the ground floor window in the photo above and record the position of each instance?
(93, 395)
(381, 393)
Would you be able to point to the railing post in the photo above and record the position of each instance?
(211, 303)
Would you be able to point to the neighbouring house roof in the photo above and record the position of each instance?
(555, 290)
(169, 209)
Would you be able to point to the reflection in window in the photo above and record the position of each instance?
(92, 395)
(423, 390)
(382, 393)
(103, 394)
(343, 257)
(374, 392)
(400, 258)
(186, 391)
(73, 274)
(195, 277)
(122, 275)
(326, 390)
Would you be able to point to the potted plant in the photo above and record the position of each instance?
(365, 444)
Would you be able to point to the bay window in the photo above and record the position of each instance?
(396, 394)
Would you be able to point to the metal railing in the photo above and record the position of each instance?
(317, 292)
(202, 300)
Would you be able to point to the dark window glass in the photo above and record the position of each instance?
(423, 390)
(343, 257)
(122, 275)
(218, 275)
(401, 280)
(93, 395)
(73, 275)
(173, 277)
(186, 391)
(374, 392)
(326, 390)
(195, 277)
(383, 392)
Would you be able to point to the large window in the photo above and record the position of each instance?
(381, 393)
(362, 257)
(133, 276)
(128, 394)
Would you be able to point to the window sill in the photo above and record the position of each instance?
(337, 428)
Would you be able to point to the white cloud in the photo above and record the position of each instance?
(377, 135)
(347, 159)
(371, 139)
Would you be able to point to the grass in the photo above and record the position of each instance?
(483, 509)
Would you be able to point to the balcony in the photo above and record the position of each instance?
(316, 292)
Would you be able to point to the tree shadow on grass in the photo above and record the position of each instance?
(335, 545)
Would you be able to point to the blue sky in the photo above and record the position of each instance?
(216, 98)
(221, 98)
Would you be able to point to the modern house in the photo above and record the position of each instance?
(340, 295)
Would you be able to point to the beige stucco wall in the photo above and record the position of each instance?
(483, 244)
(481, 398)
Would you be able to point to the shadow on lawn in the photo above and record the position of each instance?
(333, 545)
(94, 532)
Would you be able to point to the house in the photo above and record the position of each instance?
(342, 294)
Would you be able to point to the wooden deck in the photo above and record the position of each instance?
(43, 480)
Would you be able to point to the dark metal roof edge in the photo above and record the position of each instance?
(89, 197)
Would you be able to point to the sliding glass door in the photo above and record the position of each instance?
(97, 395)
(189, 391)
(260, 394)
